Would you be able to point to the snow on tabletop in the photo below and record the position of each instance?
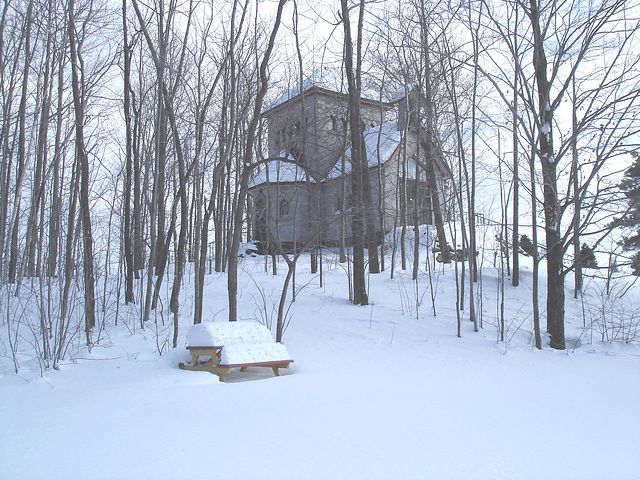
(239, 353)
(209, 334)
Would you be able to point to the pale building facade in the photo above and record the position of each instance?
(301, 195)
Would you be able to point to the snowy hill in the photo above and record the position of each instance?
(384, 391)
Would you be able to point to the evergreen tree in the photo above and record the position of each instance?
(526, 246)
(587, 257)
(630, 185)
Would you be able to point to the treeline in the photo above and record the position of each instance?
(131, 130)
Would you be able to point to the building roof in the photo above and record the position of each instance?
(401, 92)
(326, 79)
(387, 135)
(380, 142)
(280, 170)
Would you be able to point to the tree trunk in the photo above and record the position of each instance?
(56, 194)
(22, 159)
(577, 256)
(534, 240)
(127, 233)
(430, 147)
(358, 156)
(247, 165)
(515, 278)
(83, 170)
(555, 276)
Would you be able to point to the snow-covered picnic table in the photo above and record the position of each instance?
(227, 345)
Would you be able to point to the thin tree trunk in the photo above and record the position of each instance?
(128, 180)
(247, 165)
(56, 200)
(23, 158)
(577, 257)
(77, 73)
(534, 240)
(515, 278)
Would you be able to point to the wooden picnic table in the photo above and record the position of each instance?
(212, 363)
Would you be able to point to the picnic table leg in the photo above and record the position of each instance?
(276, 371)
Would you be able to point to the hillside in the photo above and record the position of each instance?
(383, 391)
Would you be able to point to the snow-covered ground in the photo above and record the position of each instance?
(385, 391)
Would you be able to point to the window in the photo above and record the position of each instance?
(284, 208)
(411, 168)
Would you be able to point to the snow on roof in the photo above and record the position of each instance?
(388, 135)
(280, 171)
(401, 92)
(325, 78)
(380, 142)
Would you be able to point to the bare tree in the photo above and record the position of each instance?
(358, 152)
(127, 236)
(82, 165)
(565, 40)
(247, 167)
(224, 147)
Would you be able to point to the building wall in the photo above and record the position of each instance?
(295, 225)
(318, 133)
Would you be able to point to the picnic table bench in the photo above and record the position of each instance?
(217, 347)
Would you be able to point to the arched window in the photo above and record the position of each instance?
(284, 207)
(261, 218)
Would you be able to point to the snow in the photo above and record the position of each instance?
(401, 92)
(380, 143)
(242, 341)
(209, 334)
(325, 78)
(280, 171)
(238, 353)
(546, 128)
(383, 391)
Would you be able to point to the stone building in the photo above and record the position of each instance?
(301, 194)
